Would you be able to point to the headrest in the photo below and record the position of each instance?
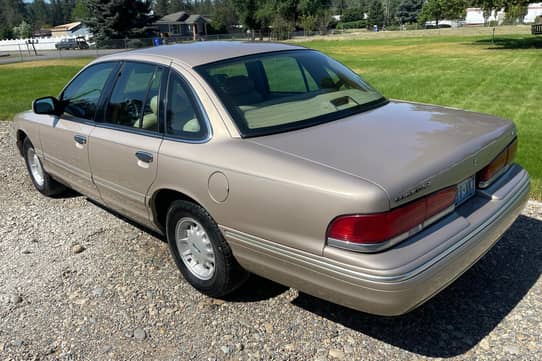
(154, 104)
(239, 84)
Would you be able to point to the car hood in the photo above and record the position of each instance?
(405, 148)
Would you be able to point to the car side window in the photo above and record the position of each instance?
(134, 99)
(81, 96)
(183, 119)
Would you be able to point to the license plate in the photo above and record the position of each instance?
(465, 190)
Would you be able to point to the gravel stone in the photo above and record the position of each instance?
(96, 305)
(336, 354)
(140, 334)
(78, 249)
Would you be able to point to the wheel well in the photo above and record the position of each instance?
(21, 136)
(161, 201)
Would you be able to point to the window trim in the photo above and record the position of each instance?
(102, 123)
(105, 90)
(196, 104)
(326, 118)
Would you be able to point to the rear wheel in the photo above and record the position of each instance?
(200, 251)
(43, 182)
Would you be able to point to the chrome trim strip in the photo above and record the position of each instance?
(324, 264)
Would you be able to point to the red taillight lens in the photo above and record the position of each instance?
(504, 158)
(376, 228)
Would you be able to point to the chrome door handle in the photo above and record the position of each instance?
(80, 139)
(144, 156)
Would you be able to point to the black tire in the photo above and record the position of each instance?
(228, 274)
(49, 186)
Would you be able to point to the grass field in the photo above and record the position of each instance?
(469, 72)
(504, 79)
(23, 82)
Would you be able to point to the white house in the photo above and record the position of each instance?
(475, 16)
(533, 10)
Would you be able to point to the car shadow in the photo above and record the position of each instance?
(461, 315)
(528, 42)
(256, 289)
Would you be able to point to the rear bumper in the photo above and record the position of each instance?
(398, 280)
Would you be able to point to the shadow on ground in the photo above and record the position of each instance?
(453, 321)
(530, 42)
(457, 319)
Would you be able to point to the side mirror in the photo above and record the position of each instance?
(46, 105)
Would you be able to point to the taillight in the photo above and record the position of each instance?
(487, 175)
(399, 223)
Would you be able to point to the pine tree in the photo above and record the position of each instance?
(118, 19)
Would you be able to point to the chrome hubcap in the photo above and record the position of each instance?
(195, 248)
(35, 167)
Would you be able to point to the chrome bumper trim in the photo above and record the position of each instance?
(324, 264)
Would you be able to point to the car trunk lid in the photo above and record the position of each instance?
(408, 149)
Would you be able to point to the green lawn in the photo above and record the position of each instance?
(23, 82)
(471, 73)
(466, 72)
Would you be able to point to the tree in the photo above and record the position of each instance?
(40, 14)
(376, 14)
(118, 19)
(81, 11)
(352, 14)
(246, 10)
(161, 7)
(409, 10)
(499, 4)
(223, 15)
(179, 5)
(23, 30)
(12, 12)
(442, 9)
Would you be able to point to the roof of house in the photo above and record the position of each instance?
(181, 17)
(204, 52)
(66, 27)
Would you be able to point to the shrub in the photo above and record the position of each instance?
(360, 24)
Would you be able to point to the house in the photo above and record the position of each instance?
(70, 30)
(475, 16)
(533, 10)
(183, 24)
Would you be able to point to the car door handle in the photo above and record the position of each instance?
(144, 156)
(80, 139)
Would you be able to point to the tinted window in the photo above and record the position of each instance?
(285, 75)
(82, 95)
(134, 100)
(288, 90)
(182, 119)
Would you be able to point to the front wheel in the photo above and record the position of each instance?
(200, 251)
(43, 182)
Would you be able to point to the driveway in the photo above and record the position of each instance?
(79, 283)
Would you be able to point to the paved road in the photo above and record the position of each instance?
(14, 57)
(78, 283)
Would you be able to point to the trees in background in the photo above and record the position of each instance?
(436, 10)
(409, 10)
(119, 19)
(376, 15)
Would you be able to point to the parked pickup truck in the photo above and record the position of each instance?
(72, 43)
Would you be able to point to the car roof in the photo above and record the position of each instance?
(204, 52)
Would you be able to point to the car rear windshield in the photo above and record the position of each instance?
(281, 91)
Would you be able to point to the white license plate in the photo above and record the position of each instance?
(465, 190)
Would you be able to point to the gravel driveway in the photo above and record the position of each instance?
(79, 283)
